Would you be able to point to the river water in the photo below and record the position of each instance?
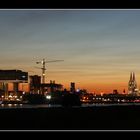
(7, 106)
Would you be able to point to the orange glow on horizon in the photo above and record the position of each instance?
(101, 88)
(95, 83)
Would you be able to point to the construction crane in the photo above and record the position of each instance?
(43, 62)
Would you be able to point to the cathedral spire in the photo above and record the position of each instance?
(133, 76)
(132, 85)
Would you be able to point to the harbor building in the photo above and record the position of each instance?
(10, 80)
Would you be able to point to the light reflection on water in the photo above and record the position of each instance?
(27, 106)
(4, 106)
(115, 104)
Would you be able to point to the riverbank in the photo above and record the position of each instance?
(71, 118)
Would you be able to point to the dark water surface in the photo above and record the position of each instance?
(55, 117)
(8, 106)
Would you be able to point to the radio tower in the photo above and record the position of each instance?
(43, 62)
(132, 85)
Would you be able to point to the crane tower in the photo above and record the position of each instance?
(43, 62)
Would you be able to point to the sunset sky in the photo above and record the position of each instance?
(99, 47)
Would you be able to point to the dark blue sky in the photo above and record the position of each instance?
(98, 46)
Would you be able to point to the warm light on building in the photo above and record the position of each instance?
(10, 86)
(25, 87)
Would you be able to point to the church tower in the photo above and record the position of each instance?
(132, 85)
